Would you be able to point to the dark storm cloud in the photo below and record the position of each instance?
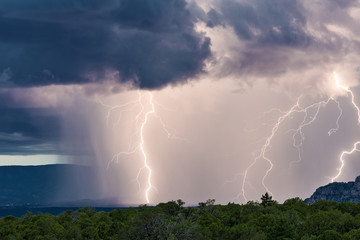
(268, 31)
(281, 41)
(28, 131)
(341, 3)
(279, 22)
(152, 43)
(33, 121)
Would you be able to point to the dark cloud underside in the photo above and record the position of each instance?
(277, 22)
(152, 43)
(28, 131)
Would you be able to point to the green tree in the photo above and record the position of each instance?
(244, 232)
(321, 221)
(171, 208)
(354, 234)
(330, 235)
(266, 200)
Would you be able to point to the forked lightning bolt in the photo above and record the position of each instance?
(347, 89)
(354, 149)
(298, 135)
(297, 132)
(342, 161)
(140, 121)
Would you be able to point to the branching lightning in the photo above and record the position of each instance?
(347, 89)
(141, 120)
(298, 134)
(305, 115)
(354, 149)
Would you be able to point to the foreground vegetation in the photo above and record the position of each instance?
(265, 220)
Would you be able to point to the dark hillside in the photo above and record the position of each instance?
(337, 192)
(47, 184)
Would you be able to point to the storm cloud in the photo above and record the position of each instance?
(72, 75)
(152, 44)
(148, 43)
(263, 22)
(28, 131)
(286, 42)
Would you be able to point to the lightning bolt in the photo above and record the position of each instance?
(264, 149)
(142, 149)
(140, 118)
(347, 89)
(296, 108)
(356, 107)
(342, 161)
(298, 134)
(141, 121)
(334, 130)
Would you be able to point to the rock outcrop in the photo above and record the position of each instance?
(338, 192)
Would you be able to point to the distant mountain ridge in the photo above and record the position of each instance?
(46, 184)
(338, 192)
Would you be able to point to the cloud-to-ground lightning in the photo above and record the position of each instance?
(140, 146)
(298, 134)
(354, 149)
(137, 142)
(296, 108)
(264, 149)
(142, 141)
(342, 161)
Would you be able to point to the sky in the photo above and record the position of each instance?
(184, 99)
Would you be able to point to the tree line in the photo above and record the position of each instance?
(267, 219)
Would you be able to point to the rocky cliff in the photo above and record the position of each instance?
(338, 192)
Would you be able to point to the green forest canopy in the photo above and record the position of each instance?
(172, 220)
